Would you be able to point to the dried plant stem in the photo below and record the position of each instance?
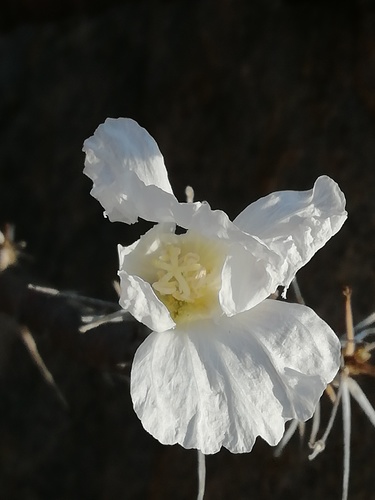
(315, 425)
(346, 426)
(350, 345)
(287, 437)
(59, 316)
(201, 475)
(320, 445)
(366, 322)
(189, 192)
(31, 346)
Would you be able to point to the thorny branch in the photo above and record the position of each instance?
(110, 345)
(356, 356)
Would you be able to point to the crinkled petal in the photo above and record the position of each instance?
(251, 270)
(136, 271)
(296, 224)
(129, 176)
(224, 384)
(246, 280)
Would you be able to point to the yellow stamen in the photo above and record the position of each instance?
(188, 273)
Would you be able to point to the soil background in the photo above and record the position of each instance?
(243, 98)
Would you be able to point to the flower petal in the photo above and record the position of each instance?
(137, 295)
(246, 280)
(296, 224)
(129, 176)
(215, 385)
(251, 269)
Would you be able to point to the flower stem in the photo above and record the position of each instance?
(201, 475)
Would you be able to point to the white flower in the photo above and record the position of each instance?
(223, 364)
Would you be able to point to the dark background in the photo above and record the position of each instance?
(243, 98)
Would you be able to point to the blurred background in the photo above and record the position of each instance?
(243, 98)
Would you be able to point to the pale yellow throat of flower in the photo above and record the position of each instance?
(189, 277)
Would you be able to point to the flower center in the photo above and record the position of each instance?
(180, 275)
(188, 278)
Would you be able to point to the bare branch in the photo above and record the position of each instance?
(110, 345)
